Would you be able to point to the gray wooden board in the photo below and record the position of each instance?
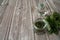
(21, 27)
(54, 37)
(5, 24)
(2, 10)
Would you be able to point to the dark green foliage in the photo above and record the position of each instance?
(56, 16)
(54, 22)
(53, 28)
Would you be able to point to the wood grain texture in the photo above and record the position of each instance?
(21, 27)
(2, 9)
(5, 24)
(54, 37)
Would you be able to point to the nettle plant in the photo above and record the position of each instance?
(50, 23)
(54, 22)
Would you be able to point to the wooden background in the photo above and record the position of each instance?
(16, 21)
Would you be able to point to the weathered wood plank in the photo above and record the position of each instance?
(14, 31)
(27, 31)
(21, 27)
(5, 24)
(2, 9)
(27, 28)
(54, 37)
(55, 4)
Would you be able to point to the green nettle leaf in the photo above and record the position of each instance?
(57, 18)
(54, 22)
